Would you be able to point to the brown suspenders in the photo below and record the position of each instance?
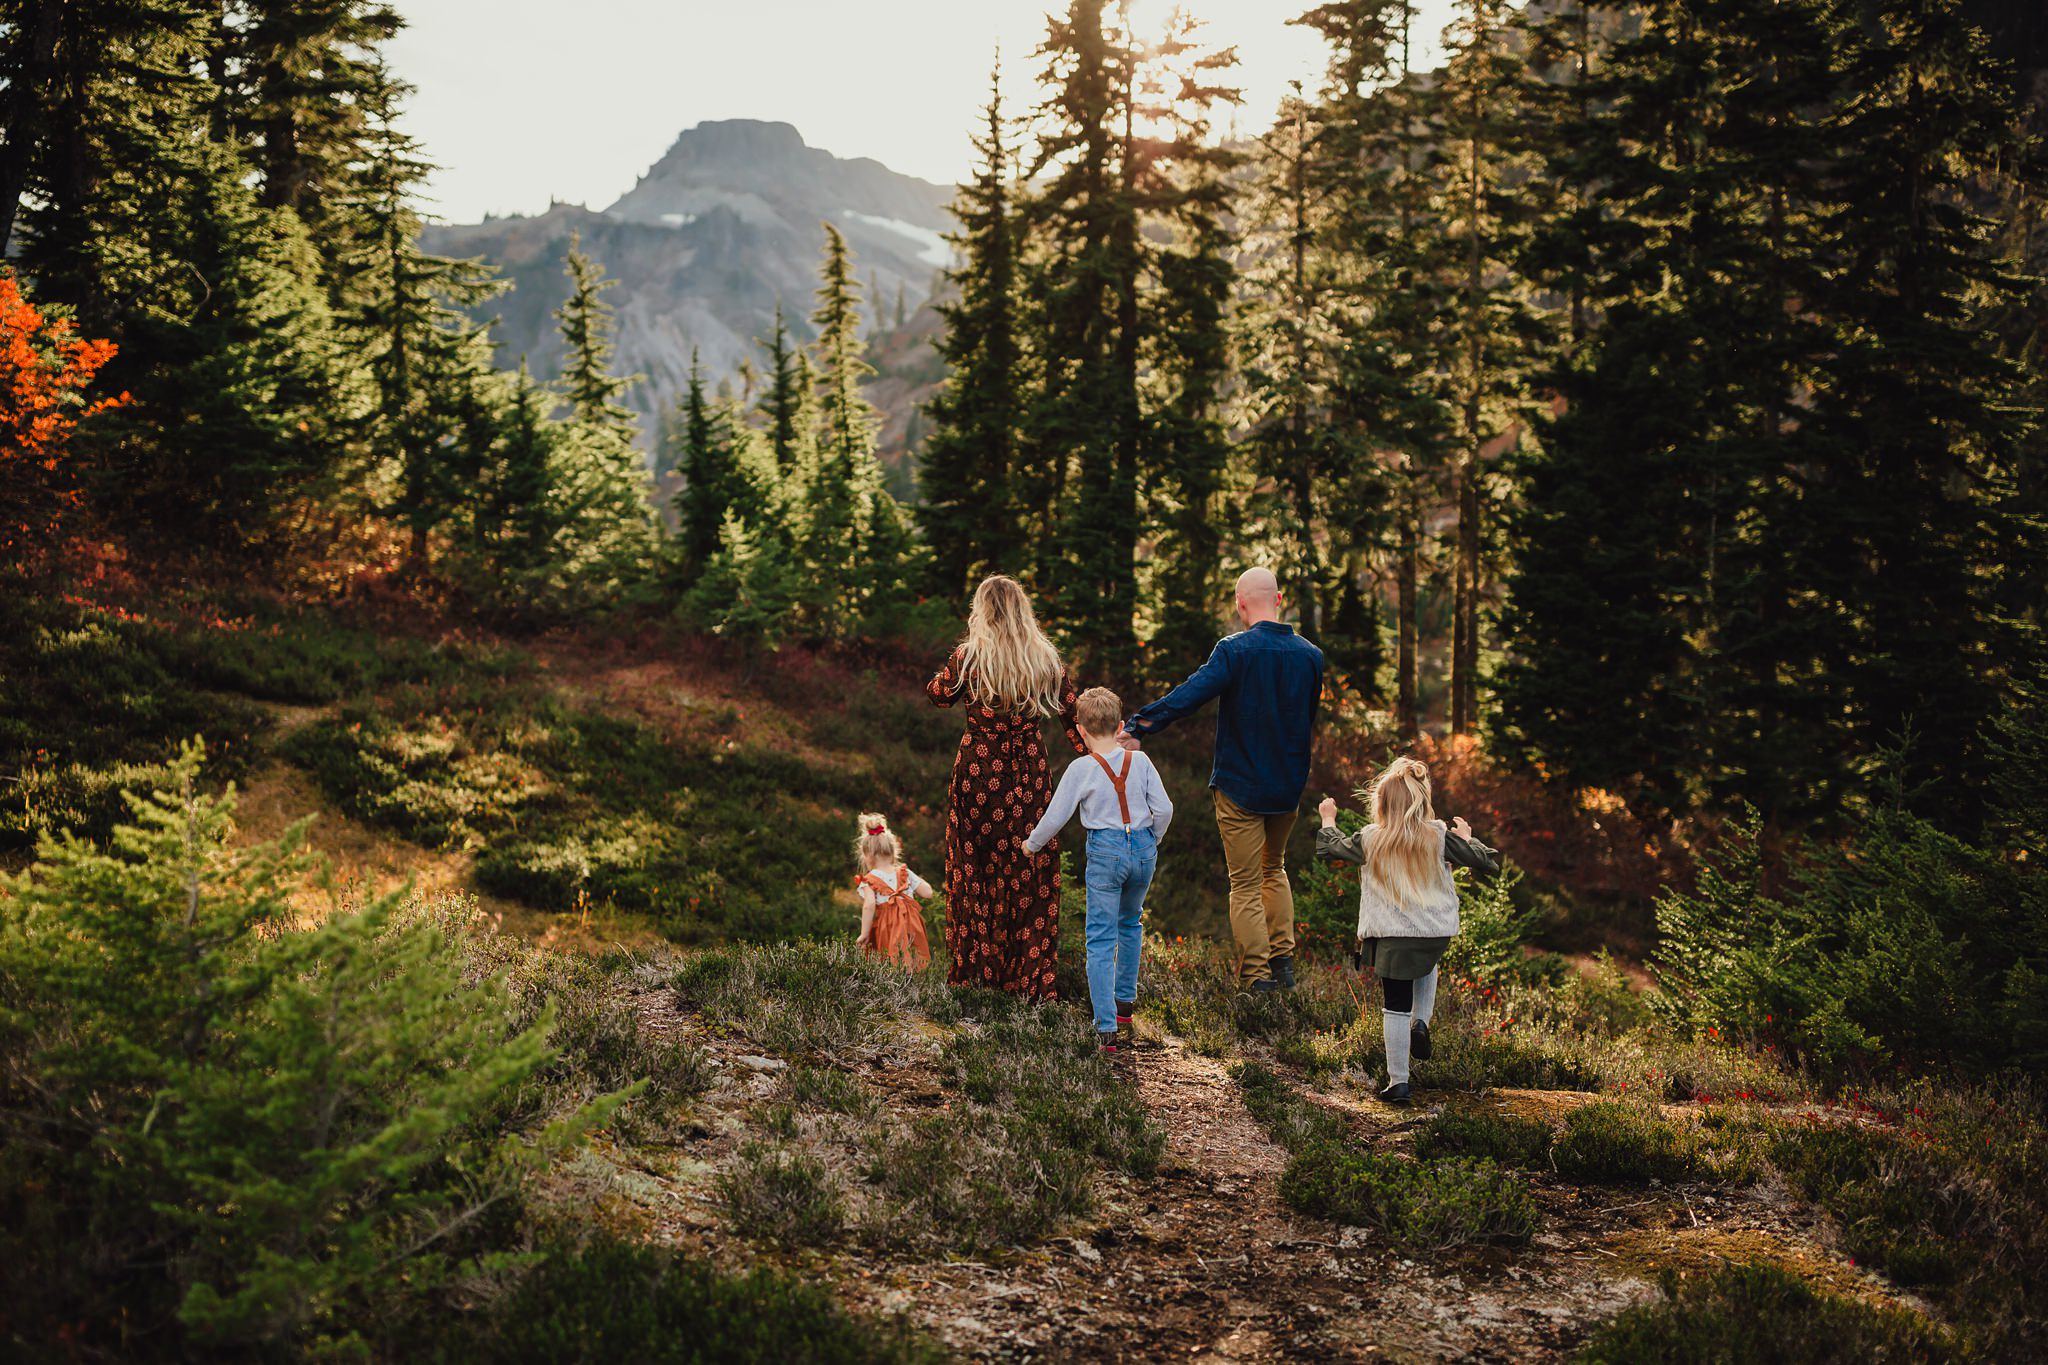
(1116, 780)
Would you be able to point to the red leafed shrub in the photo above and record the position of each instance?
(44, 371)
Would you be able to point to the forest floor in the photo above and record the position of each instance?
(1201, 1261)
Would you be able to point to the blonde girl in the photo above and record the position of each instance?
(891, 925)
(1002, 903)
(1407, 901)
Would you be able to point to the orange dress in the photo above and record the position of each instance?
(898, 933)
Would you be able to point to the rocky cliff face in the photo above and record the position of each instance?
(725, 226)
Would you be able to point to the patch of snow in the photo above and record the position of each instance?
(678, 219)
(932, 248)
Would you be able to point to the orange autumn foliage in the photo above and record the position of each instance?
(44, 371)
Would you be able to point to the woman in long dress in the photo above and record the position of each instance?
(1002, 904)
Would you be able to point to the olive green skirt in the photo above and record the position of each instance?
(1404, 959)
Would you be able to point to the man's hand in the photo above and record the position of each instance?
(1327, 808)
(1126, 738)
(1460, 828)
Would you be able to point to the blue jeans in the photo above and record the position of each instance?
(1120, 867)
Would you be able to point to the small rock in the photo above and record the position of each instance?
(1085, 1251)
(764, 1063)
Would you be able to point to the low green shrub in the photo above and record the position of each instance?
(1289, 1119)
(809, 997)
(1421, 1207)
(1760, 1315)
(781, 1195)
(1906, 945)
(614, 1300)
(88, 710)
(827, 1090)
(710, 838)
(1501, 1138)
(1040, 1071)
(1612, 1142)
(973, 1180)
(264, 649)
(1897, 1211)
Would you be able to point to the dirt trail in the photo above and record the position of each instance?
(1204, 1263)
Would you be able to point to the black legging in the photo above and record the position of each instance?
(1400, 994)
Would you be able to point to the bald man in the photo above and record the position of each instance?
(1267, 682)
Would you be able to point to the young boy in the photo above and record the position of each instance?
(1124, 808)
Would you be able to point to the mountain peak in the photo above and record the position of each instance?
(745, 137)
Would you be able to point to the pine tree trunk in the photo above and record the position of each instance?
(1465, 624)
(24, 113)
(1405, 661)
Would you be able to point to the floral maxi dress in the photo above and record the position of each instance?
(1002, 904)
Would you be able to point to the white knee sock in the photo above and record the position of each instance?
(1397, 1023)
(1425, 998)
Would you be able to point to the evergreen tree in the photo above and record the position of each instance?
(1085, 427)
(748, 588)
(254, 392)
(839, 550)
(586, 324)
(965, 462)
(702, 455)
(1189, 354)
(1492, 335)
(1913, 530)
(1378, 166)
(1656, 592)
(139, 221)
(510, 508)
(405, 301)
(293, 80)
(786, 401)
(262, 1126)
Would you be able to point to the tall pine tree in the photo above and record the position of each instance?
(965, 463)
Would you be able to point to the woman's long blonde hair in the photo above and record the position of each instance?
(1404, 853)
(1007, 661)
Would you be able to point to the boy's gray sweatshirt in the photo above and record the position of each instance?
(1086, 787)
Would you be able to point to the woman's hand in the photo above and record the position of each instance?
(1460, 828)
(1327, 808)
(1024, 847)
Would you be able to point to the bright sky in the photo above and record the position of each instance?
(523, 101)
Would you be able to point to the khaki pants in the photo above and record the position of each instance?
(1261, 901)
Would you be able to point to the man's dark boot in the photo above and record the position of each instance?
(1283, 971)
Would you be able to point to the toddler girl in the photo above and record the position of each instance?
(1407, 902)
(891, 925)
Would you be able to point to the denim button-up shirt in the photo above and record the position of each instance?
(1269, 684)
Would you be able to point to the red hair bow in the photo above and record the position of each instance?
(878, 829)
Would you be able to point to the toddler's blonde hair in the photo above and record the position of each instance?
(1099, 711)
(1403, 852)
(876, 841)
